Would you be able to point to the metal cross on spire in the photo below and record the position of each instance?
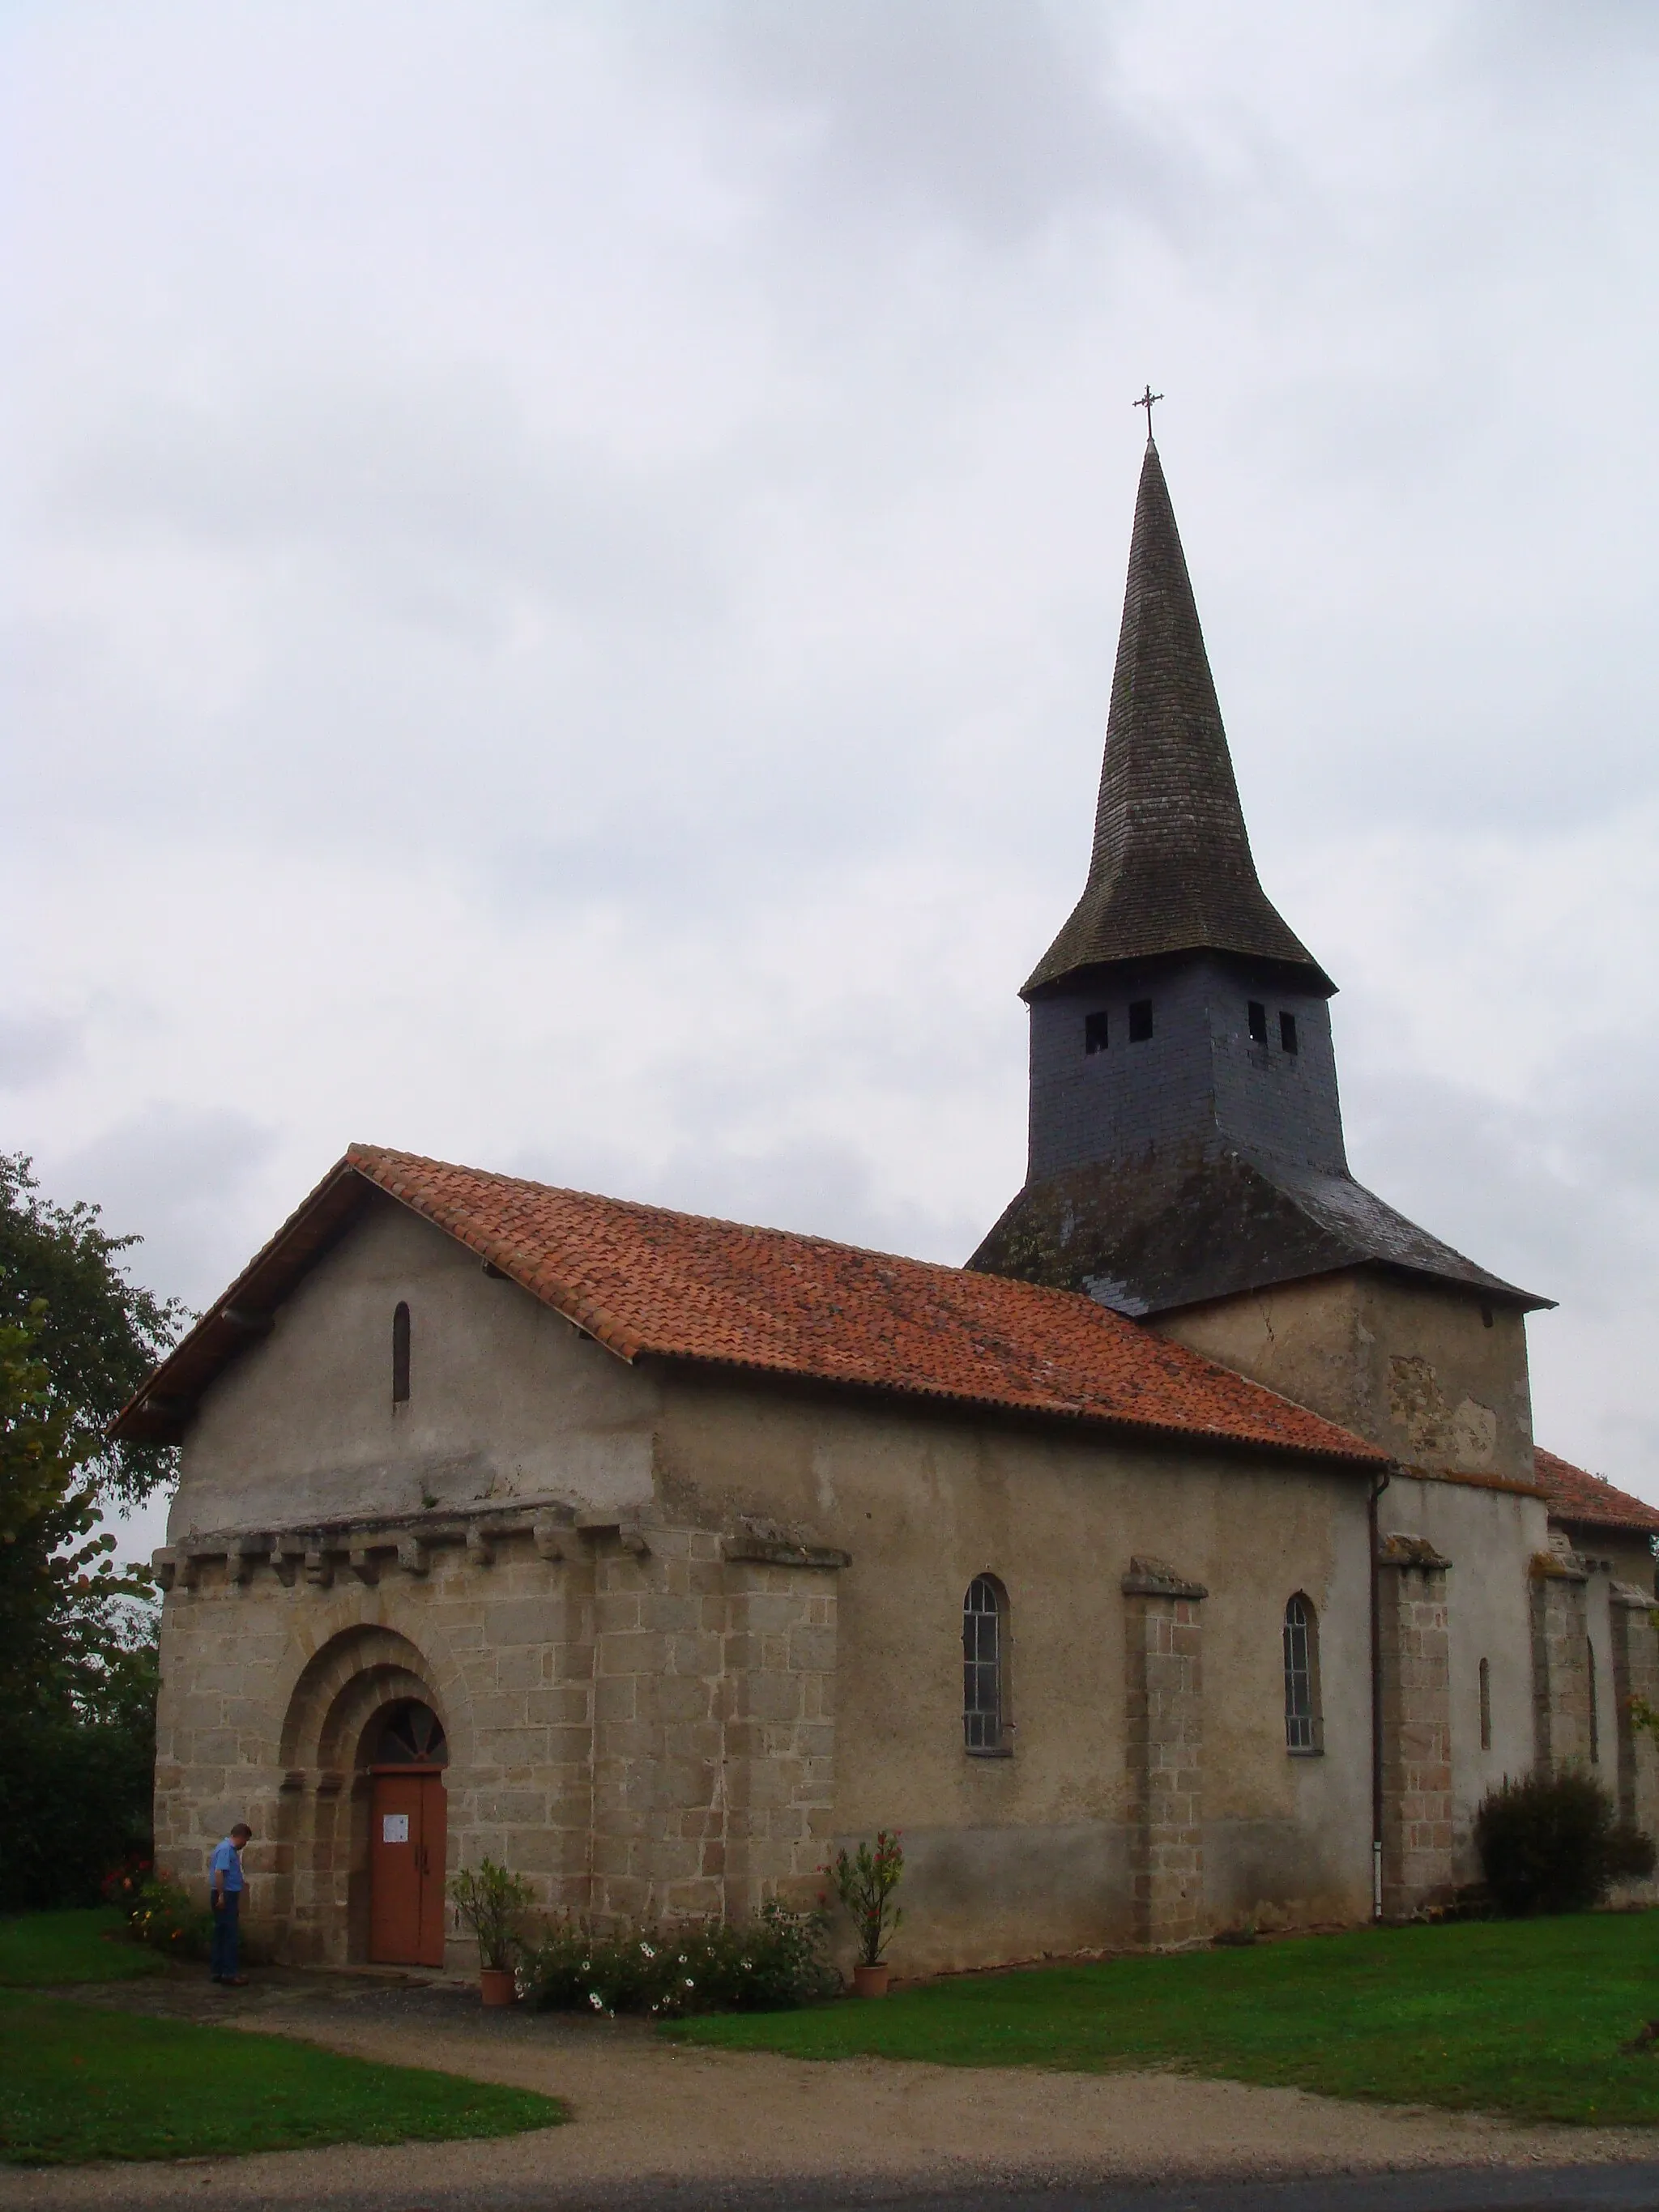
(1149, 399)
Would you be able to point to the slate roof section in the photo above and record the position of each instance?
(1177, 1229)
(648, 1283)
(1171, 870)
(1585, 1500)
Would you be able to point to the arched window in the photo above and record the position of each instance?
(1595, 1717)
(1302, 1727)
(400, 1354)
(984, 1633)
(410, 1734)
(1485, 1706)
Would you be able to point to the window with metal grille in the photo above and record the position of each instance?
(1595, 1717)
(1485, 1706)
(983, 1624)
(400, 1354)
(1256, 1013)
(1094, 1032)
(1301, 1676)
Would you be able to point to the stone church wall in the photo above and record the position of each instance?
(1014, 1856)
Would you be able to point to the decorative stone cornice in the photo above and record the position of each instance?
(773, 1552)
(1411, 1553)
(1557, 1567)
(1156, 1578)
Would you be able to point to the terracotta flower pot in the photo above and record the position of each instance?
(870, 1981)
(496, 1985)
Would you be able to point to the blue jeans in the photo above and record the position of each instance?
(224, 1954)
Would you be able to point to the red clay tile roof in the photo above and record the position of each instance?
(1574, 1494)
(648, 1282)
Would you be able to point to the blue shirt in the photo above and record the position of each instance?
(226, 1860)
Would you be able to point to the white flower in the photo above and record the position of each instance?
(689, 1983)
(596, 2000)
(648, 1950)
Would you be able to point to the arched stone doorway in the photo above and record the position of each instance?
(408, 1835)
(365, 1741)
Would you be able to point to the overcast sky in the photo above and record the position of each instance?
(563, 562)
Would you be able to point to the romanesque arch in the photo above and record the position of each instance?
(332, 1720)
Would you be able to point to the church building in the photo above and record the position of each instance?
(1184, 1561)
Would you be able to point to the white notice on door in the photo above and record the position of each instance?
(394, 1827)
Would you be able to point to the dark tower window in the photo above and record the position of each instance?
(400, 1354)
(1287, 1032)
(1258, 1020)
(1094, 1032)
(1141, 1020)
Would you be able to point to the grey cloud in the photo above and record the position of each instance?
(990, 117)
(180, 1176)
(35, 1047)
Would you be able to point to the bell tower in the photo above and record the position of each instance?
(1186, 1148)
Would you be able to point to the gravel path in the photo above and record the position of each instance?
(717, 2126)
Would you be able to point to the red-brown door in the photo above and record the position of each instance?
(408, 1838)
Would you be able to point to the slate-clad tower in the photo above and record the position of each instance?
(1186, 1134)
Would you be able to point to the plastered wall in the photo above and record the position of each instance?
(1413, 1365)
(509, 1401)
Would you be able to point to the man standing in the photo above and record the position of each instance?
(225, 1872)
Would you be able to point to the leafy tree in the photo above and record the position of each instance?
(99, 1335)
(77, 1632)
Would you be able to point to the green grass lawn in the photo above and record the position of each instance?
(1519, 2017)
(42, 1947)
(79, 2082)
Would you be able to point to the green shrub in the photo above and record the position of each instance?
(774, 1961)
(490, 1902)
(1552, 1843)
(159, 1911)
(865, 1881)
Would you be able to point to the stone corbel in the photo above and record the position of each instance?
(628, 1534)
(164, 1566)
(480, 1546)
(548, 1538)
(285, 1559)
(245, 1554)
(412, 1555)
(364, 1565)
(319, 1568)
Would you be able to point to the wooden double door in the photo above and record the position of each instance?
(408, 1840)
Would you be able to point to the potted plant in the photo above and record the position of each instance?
(489, 1901)
(865, 1881)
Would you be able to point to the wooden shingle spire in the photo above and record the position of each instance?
(1171, 870)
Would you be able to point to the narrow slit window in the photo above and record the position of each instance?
(1141, 1020)
(983, 1625)
(1287, 1032)
(1485, 1706)
(1594, 1716)
(400, 1354)
(1301, 1676)
(1095, 1030)
(1257, 1014)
